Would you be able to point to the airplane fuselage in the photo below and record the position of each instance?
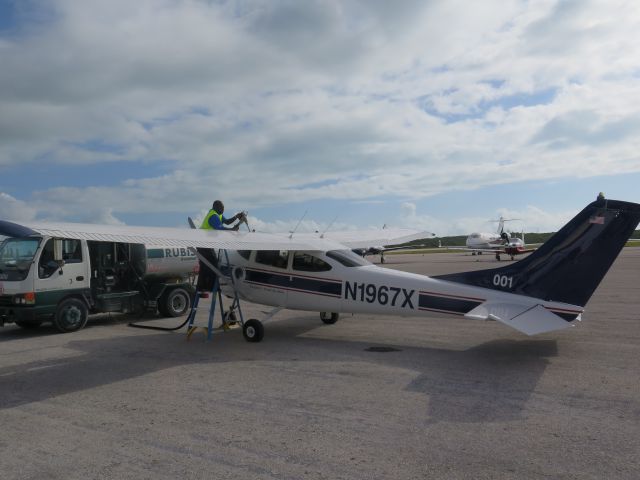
(488, 241)
(365, 288)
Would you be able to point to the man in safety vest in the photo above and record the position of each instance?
(215, 220)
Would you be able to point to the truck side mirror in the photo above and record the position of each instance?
(57, 252)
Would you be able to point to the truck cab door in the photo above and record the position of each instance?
(72, 277)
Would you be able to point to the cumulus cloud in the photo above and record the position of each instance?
(274, 102)
(16, 210)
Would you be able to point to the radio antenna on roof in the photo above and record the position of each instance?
(299, 222)
(328, 226)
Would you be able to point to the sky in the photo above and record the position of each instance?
(435, 115)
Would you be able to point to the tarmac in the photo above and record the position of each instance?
(371, 397)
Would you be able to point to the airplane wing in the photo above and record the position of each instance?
(176, 237)
(405, 247)
(371, 238)
(470, 249)
(501, 250)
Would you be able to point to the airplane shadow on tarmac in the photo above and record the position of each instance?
(490, 382)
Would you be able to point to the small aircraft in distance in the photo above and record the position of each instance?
(543, 292)
(499, 243)
(380, 250)
(363, 247)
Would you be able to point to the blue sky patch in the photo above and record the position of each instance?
(8, 15)
(541, 97)
(21, 181)
(100, 146)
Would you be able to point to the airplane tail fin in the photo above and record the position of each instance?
(570, 265)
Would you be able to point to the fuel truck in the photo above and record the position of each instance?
(59, 280)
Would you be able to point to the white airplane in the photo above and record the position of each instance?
(499, 243)
(363, 246)
(543, 292)
(386, 240)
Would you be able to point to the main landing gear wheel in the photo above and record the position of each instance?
(253, 330)
(329, 317)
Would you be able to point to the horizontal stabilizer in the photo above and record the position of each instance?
(526, 319)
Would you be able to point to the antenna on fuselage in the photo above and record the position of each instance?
(299, 222)
(328, 226)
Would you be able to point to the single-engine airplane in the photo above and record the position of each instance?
(544, 292)
(377, 242)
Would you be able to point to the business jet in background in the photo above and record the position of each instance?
(498, 243)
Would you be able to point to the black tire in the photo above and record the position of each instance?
(329, 317)
(176, 303)
(253, 330)
(71, 315)
(28, 325)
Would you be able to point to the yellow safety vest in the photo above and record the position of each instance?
(205, 223)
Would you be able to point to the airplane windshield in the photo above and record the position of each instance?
(16, 256)
(347, 258)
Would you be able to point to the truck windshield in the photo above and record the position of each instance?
(16, 256)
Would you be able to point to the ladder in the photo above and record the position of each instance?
(216, 297)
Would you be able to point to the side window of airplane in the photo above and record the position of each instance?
(273, 258)
(244, 254)
(308, 263)
(347, 258)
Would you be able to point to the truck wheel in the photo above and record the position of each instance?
(176, 303)
(71, 315)
(28, 325)
(253, 330)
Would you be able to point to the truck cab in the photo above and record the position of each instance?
(62, 280)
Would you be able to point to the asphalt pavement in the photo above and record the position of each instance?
(371, 397)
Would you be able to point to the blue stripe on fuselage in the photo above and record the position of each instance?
(447, 304)
(299, 283)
